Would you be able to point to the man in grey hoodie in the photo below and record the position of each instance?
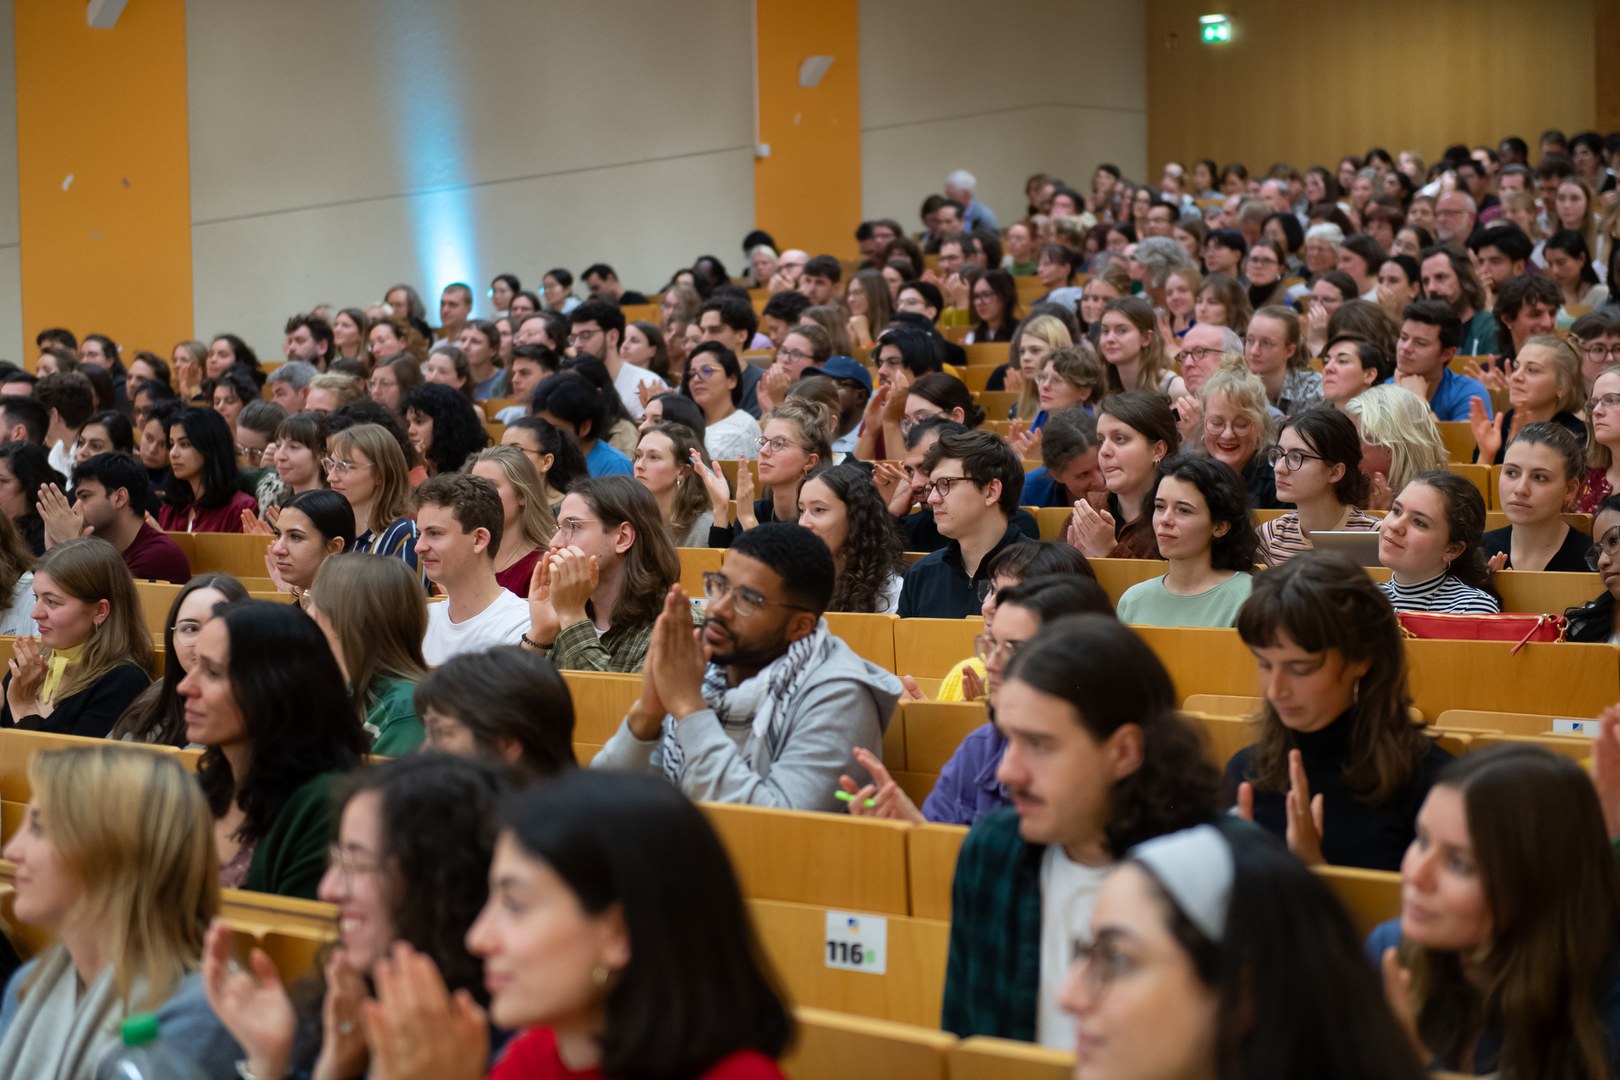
(763, 705)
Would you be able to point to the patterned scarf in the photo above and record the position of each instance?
(751, 709)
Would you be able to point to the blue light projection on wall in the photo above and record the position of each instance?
(427, 110)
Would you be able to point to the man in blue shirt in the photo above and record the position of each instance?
(1430, 331)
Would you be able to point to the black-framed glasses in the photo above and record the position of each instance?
(942, 485)
(1295, 459)
(1609, 545)
(744, 601)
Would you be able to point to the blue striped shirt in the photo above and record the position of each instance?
(397, 540)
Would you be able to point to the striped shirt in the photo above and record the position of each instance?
(397, 540)
(1281, 538)
(1445, 594)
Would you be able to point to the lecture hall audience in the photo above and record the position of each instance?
(1239, 370)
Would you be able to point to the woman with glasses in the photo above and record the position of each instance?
(1235, 417)
(1202, 526)
(392, 379)
(158, 715)
(939, 395)
(256, 428)
(1193, 968)
(795, 445)
(365, 465)
(967, 787)
(1317, 467)
(1072, 376)
(1545, 386)
(204, 496)
(1539, 478)
(416, 826)
(804, 346)
(1602, 442)
(1599, 619)
(714, 381)
(1264, 267)
(1596, 335)
(995, 306)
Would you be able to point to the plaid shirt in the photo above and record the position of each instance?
(621, 649)
(993, 974)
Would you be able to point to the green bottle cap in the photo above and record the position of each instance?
(139, 1029)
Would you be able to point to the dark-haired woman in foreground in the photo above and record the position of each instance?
(615, 941)
(1338, 767)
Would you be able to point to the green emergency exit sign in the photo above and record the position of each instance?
(1215, 29)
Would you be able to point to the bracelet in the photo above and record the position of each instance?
(533, 644)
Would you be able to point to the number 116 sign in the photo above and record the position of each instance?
(857, 942)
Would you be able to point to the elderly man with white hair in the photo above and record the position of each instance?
(959, 186)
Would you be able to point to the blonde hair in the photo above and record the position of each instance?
(811, 421)
(393, 474)
(1398, 419)
(378, 614)
(1566, 367)
(135, 828)
(346, 388)
(1245, 390)
(535, 519)
(89, 569)
(1046, 328)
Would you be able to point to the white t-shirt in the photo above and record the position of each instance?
(629, 378)
(1068, 893)
(732, 438)
(17, 619)
(504, 622)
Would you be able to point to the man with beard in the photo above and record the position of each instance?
(764, 705)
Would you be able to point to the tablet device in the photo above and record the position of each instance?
(1360, 544)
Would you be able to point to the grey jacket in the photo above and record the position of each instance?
(846, 702)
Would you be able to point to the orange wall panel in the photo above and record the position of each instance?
(807, 193)
(103, 172)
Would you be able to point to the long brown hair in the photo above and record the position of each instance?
(1323, 601)
(392, 499)
(651, 565)
(1553, 894)
(90, 569)
(691, 496)
(16, 559)
(378, 614)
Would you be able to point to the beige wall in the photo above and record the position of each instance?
(336, 148)
(11, 328)
(1028, 86)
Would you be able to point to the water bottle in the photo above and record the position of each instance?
(145, 1057)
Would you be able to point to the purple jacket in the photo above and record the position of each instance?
(967, 788)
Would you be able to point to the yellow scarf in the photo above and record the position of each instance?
(56, 666)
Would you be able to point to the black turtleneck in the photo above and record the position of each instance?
(1355, 832)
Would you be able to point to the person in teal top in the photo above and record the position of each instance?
(374, 616)
(1201, 522)
(267, 700)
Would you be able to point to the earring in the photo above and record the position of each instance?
(1355, 693)
(601, 974)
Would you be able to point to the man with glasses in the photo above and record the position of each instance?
(766, 706)
(596, 329)
(110, 493)
(974, 483)
(1454, 216)
(789, 266)
(459, 521)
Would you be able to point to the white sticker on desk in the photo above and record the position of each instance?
(857, 942)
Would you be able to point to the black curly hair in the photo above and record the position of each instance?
(458, 431)
(872, 548)
(1228, 502)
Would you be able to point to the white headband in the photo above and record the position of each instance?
(1195, 867)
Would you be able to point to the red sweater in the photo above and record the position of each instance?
(533, 1056)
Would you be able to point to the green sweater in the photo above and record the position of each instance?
(391, 715)
(290, 858)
